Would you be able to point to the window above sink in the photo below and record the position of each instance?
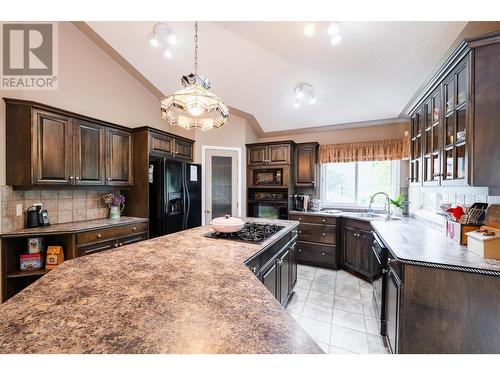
(352, 184)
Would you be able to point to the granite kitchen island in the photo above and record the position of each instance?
(181, 293)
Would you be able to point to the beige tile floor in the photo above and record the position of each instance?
(336, 309)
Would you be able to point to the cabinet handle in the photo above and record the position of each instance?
(300, 219)
(312, 182)
(134, 229)
(71, 177)
(300, 250)
(280, 262)
(323, 234)
(323, 220)
(323, 254)
(99, 235)
(120, 244)
(109, 178)
(254, 270)
(77, 178)
(300, 232)
(115, 245)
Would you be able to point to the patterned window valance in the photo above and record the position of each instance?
(392, 149)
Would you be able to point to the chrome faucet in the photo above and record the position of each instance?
(388, 203)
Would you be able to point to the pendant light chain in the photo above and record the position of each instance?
(196, 48)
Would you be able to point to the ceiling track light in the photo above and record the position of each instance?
(304, 92)
(309, 29)
(163, 37)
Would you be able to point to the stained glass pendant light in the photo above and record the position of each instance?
(195, 107)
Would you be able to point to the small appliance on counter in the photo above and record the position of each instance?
(36, 217)
(300, 202)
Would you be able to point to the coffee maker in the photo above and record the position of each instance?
(300, 202)
(36, 217)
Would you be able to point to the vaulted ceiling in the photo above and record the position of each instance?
(254, 66)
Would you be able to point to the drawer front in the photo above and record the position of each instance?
(122, 241)
(358, 224)
(110, 233)
(96, 248)
(314, 219)
(317, 233)
(321, 255)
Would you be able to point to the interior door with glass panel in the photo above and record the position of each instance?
(221, 183)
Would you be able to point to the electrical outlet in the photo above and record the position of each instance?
(19, 209)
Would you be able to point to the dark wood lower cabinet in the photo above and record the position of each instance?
(317, 244)
(270, 278)
(75, 243)
(276, 267)
(392, 299)
(356, 254)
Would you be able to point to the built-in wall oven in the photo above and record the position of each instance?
(379, 285)
(268, 204)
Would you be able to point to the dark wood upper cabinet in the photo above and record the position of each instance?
(48, 146)
(454, 133)
(257, 155)
(183, 149)
(271, 153)
(118, 158)
(52, 157)
(278, 154)
(89, 153)
(305, 164)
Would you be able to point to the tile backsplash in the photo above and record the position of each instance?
(427, 200)
(64, 206)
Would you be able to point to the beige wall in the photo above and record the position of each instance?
(93, 84)
(369, 133)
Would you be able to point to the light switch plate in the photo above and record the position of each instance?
(19, 209)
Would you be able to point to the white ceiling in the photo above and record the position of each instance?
(254, 66)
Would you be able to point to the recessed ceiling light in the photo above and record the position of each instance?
(168, 54)
(335, 40)
(296, 104)
(333, 29)
(309, 29)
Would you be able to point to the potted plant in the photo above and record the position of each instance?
(401, 205)
(116, 204)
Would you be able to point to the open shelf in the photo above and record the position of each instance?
(39, 272)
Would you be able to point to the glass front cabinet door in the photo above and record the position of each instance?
(438, 130)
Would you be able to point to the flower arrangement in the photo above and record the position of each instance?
(114, 201)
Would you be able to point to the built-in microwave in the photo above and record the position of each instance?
(268, 177)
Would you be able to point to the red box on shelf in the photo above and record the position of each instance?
(30, 262)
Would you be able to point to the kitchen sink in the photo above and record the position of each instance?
(369, 215)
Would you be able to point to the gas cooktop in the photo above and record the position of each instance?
(251, 232)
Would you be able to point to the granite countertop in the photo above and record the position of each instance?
(74, 227)
(180, 293)
(412, 240)
(347, 214)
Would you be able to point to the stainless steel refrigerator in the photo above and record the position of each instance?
(174, 196)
